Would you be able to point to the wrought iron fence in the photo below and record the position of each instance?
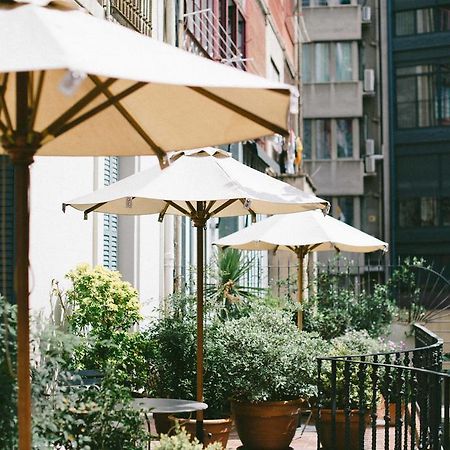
(398, 400)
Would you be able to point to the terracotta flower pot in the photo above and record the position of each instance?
(325, 430)
(163, 424)
(266, 425)
(381, 411)
(215, 430)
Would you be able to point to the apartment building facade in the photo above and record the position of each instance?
(342, 110)
(418, 56)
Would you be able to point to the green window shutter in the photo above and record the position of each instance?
(110, 221)
(7, 216)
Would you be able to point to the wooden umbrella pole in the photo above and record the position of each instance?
(199, 223)
(300, 256)
(21, 153)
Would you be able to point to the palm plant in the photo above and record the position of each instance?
(228, 289)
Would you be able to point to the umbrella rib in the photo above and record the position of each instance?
(241, 111)
(252, 213)
(163, 212)
(223, 206)
(3, 105)
(210, 205)
(36, 100)
(99, 108)
(162, 156)
(93, 208)
(57, 125)
(191, 207)
(179, 208)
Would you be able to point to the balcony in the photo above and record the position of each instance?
(204, 35)
(328, 100)
(337, 177)
(340, 23)
(135, 14)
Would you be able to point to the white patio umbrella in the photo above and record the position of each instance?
(199, 184)
(130, 95)
(302, 233)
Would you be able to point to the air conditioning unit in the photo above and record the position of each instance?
(369, 81)
(366, 14)
(370, 147)
(369, 164)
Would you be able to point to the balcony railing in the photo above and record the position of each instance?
(397, 400)
(136, 14)
(206, 36)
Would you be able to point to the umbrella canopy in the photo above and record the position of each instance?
(302, 233)
(199, 184)
(125, 95)
(153, 86)
(203, 175)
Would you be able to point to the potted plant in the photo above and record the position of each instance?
(266, 366)
(346, 392)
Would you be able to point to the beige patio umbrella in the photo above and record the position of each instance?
(126, 94)
(199, 184)
(302, 233)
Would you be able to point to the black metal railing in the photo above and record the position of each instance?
(135, 14)
(398, 400)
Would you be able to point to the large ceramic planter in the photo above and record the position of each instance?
(325, 430)
(215, 430)
(266, 425)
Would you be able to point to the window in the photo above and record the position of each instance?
(228, 225)
(325, 62)
(322, 62)
(344, 138)
(328, 138)
(343, 61)
(424, 20)
(345, 210)
(445, 211)
(307, 142)
(323, 138)
(423, 96)
(110, 221)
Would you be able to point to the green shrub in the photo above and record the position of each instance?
(181, 441)
(261, 357)
(102, 303)
(73, 417)
(336, 309)
(8, 371)
(351, 343)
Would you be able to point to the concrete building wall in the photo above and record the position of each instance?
(58, 242)
(328, 23)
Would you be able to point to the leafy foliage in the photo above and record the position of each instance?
(227, 290)
(101, 309)
(102, 303)
(69, 416)
(175, 339)
(8, 368)
(261, 357)
(336, 309)
(181, 441)
(351, 343)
